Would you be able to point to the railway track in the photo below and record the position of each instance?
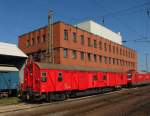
(75, 106)
(23, 106)
(86, 107)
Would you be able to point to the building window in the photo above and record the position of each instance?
(109, 60)
(121, 62)
(120, 51)
(65, 34)
(114, 49)
(113, 60)
(95, 44)
(117, 50)
(123, 52)
(89, 56)
(65, 52)
(100, 45)
(126, 53)
(105, 59)
(28, 44)
(74, 36)
(42, 55)
(33, 42)
(44, 38)
(38, 39)
(117, 61)
(89, 42)
(105, 46)
(109, 48)
(134, 65)
(100, 59)
(74, 54)
(133, 55)
(95, 58)
(82, 55)
(82, 39)
(124, 63)
(129, 54)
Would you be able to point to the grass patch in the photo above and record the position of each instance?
(9, 101)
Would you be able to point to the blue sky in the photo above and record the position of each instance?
(21, 16)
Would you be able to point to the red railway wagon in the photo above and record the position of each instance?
(47, 81)
(138, 78)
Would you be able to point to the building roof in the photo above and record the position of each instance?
(11, 50)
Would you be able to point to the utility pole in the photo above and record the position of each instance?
(146, 58)
(50, 50)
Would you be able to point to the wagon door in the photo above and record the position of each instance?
(95, 80)
(102, 81)
(68, 80)
(36, 78)
(27, 78)
(74, 80)
(83, 80)
(111, 79)
(59, 80)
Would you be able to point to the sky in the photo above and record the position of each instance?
(129, 17)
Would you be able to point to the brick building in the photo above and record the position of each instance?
(75, 46)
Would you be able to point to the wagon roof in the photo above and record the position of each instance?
(79, 68)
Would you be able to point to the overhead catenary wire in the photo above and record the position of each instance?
(147, 23)
(127, 11)
(112, 14)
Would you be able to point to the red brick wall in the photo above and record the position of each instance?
(60, 44)
(71, 45)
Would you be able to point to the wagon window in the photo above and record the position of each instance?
(104, 77)
(60, 76)
(129, 76)
(95, 78)
(44, 74)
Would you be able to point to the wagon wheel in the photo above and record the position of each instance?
(49, 97)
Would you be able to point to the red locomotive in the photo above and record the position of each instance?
(55, 81)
